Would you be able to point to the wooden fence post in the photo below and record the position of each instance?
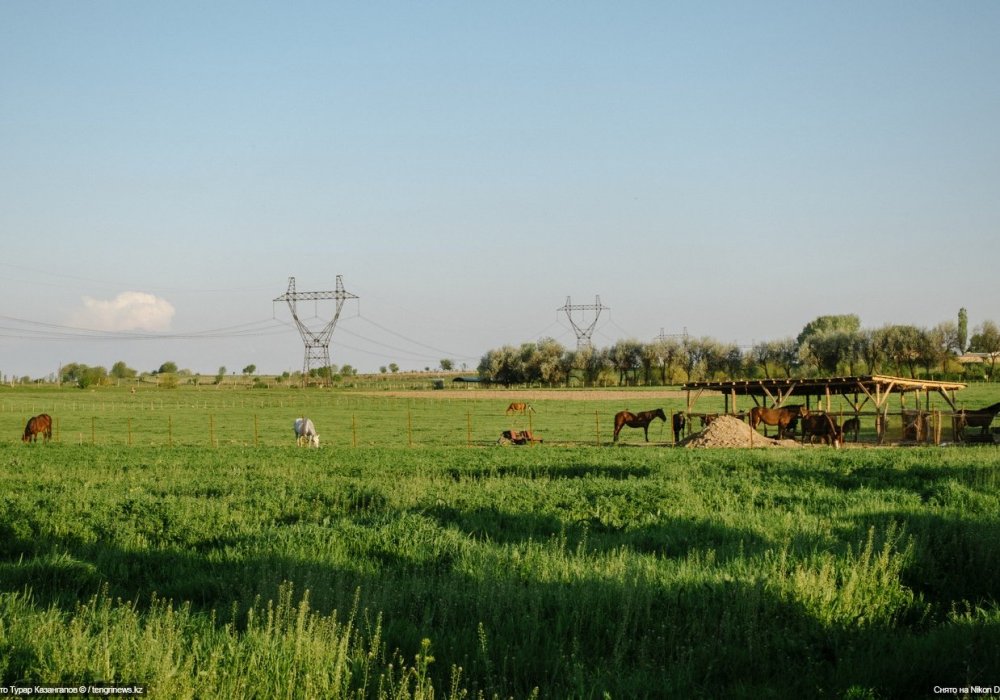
(468, 429)
(409, 428)
(597, 428)
(211, 430)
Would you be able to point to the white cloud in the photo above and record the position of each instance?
(129, 311)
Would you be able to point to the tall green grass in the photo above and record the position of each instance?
(566, 572)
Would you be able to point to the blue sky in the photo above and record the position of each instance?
(735, 169)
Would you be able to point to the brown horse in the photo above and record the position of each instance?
(521, 408)
(678, 425)
(980, 418)
(824, 427)
(518, 437)
(38, 425)
(781, 417)
(637, 420)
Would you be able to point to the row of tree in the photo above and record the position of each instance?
(827, 346)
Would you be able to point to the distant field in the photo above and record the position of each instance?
(206, 416)
(562, 572)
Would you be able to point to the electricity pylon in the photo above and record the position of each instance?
(583, 333)
(317, 342)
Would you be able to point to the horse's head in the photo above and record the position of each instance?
(660, 414)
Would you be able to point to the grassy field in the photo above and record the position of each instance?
(446, 571)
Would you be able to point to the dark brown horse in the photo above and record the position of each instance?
(781, 417)
(637, 420)
(678, 424)
(38, 425)
(979, 418)
(824, 427)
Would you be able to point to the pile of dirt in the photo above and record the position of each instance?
(727, 431)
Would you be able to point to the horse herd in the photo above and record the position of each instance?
(785, 418)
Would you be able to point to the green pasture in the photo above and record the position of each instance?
(204, 417)
(499, 572)
(208, 417)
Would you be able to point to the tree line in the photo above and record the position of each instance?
(832, 345)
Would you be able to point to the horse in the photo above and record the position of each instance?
(851, 426)
(979, 418)
(781, 417)
(521, 408)
(38, 425)
(305, 432)
(678, 421)
(522, 437)
(637, 420)
(823, 426)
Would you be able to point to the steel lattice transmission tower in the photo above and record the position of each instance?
(317, 342)
(583, 333)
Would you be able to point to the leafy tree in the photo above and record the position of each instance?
(393, 367)
(843, 323)
(545, 363)
(167, 368)
(626, 357)
(250, 370)
(120, 370)
(220, 375)
(382, 370)
(447, 365)
(665, 354)
(963, 330)
(83, 376)
(986, 339)
(502, 366)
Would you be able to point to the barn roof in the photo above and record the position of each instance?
(876, 387)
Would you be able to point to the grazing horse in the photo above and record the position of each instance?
(823, 426)
(781, 417)
(980, 418)
(637, 420)
(38, 425)
(305, 432)
(518, 437)
(521, 408)
(678, 425)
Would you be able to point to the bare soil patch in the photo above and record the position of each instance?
(534, 394)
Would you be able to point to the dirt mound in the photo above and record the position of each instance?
(726, 431)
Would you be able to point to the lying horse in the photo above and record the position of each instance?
(518, 437)
(781, 417)
(637, 420)
(38, 425)
(521, 408)
(980, 418)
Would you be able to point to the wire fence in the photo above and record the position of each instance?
(373, 422)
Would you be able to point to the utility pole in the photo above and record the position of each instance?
(583, 333)
(317, 343)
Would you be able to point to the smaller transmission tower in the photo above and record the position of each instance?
(317, 342)
(666, 336)
(583, 333)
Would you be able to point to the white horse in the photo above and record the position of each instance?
(305, 432)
